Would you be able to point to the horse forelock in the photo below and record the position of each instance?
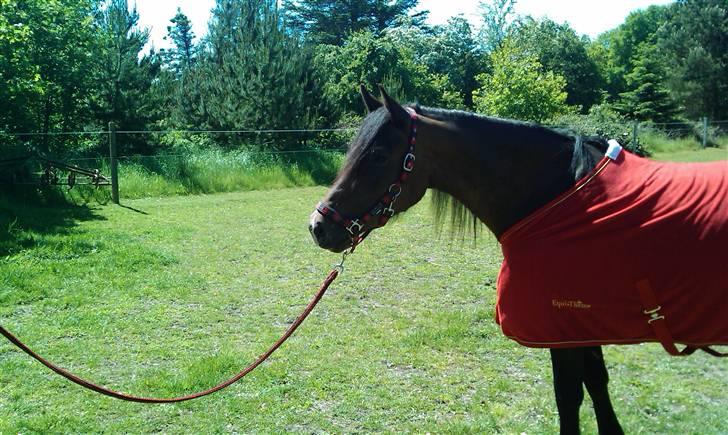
(365, 138)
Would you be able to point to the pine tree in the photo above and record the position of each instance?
(694, 42)
(182, 56)
(647, 97)
(253, 75)
(331, 21)
(125, 79)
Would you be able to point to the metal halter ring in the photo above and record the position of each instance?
(389, 210)
(395, 187)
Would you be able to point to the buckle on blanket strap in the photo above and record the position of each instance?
(654, 314)
(659, 325)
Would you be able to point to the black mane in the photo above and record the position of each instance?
(585, 156)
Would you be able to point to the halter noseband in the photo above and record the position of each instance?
(383, 210)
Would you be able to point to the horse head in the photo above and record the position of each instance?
(380, 177)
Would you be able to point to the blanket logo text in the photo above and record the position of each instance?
(562, 304)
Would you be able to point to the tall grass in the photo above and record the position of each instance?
(660, 142)
(192, 172)
(219, 171)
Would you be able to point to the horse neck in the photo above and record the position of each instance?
(500, 170)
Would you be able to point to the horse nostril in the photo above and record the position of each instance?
(318, 231)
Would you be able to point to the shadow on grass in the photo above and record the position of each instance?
(135, 210)
(26, 215)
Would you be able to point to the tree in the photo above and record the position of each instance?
(182, 55)
(497, 19)
(252, 75)
(647, 98)
(18, 73)
(559, 49)
(46, 53)
(331, 21)
(519, 88)
(460, 57)
(450, 51)
(368, 59)
(125, 80)
(694, 42)
(622, 43)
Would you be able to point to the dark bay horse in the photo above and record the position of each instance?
(495, 171)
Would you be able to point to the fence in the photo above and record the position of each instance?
(704, 131)
(253, 141)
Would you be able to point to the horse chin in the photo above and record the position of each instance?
(339, 248)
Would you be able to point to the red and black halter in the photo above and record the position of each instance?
(383, 210)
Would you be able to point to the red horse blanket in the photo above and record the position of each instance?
(636, 251)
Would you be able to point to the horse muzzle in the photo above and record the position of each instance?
(328, 235)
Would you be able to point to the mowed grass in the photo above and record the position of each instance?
(164, 296)
(699, 155)
(684, 149)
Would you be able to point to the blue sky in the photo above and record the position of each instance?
(588, 17)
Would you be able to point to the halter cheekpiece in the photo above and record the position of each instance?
(383, 210)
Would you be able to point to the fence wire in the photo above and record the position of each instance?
(128, 140)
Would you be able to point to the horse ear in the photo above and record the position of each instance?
(370, 101)
(399, 115)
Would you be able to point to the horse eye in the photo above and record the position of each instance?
(379, 158)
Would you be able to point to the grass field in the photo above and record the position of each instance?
(163, 296)
(700, 155)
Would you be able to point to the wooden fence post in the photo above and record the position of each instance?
(114, 164)
(705, 131)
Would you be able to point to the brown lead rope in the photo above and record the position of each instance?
(103, 390)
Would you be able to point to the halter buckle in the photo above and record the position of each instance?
(409, 162)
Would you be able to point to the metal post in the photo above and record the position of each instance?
(635, 132)
(114, 164)
(705, 131)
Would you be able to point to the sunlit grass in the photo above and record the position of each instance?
(689, 148)
(216, 171)
(699, 155)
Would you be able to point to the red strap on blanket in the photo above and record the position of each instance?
(659, 325)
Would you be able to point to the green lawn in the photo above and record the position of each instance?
(701, 155)
(166, 296)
